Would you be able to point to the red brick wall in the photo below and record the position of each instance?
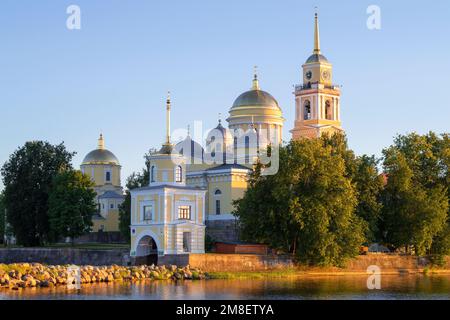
(241, 248)
(238, 262)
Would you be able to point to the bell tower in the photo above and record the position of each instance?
(317, 100)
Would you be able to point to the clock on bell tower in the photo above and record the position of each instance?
(317, 100)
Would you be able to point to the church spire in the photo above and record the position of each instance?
(316, 35)
(168, 118)
(101, 142)
(255, 78)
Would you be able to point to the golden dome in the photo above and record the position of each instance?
(100, 155)
(255, 97)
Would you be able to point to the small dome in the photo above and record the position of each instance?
(101, 156)
(255, 98)
(314, 58)
(186, 145)
(226, 135)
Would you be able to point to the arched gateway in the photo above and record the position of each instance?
(146, 250)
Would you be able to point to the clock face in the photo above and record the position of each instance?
(325, 75)
(308, 74)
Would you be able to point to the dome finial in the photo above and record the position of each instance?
(220, 118)
(255, 78)
(101, 142)
(316, 33)
(189, 130)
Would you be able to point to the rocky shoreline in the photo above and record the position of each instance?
(17, 276)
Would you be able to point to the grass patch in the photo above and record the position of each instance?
(284, 273)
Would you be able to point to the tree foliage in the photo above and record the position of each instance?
(71, 204)
(27, 177)
(307, 208)
(2, 218)
(415, 212)
(368, 183)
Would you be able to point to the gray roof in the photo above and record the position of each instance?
(316, 58)
(166, 148)
(228, 166)
(255, 98)
(168, 186)
(101, 156)
(111, 195)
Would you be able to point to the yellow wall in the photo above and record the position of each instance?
(110, 223)
(165, 166)
(98, 174)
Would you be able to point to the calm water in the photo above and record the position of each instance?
(308, 287)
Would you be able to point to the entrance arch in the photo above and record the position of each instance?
(146, 250)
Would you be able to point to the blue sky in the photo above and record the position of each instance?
(113, 74)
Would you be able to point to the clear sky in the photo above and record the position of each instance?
(113, 74)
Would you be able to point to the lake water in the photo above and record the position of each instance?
(305, 287)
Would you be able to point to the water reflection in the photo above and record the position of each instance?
(307, 287)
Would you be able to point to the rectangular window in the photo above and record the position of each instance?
(112, 206)
(184, 212)
(148, 213)
(217, 206)
(108, 176)
(187, 241)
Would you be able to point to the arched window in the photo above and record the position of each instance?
(247, 149)
(307, 110)
(178, 174)
(152, 174)
(217, 195)
(328, 114)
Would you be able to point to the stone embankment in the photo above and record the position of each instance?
(22, 275)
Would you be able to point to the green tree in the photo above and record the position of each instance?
(135, 180)
(2, 218)
(27, 177)
(368, 183)
(339, 146)
(308, 207)
(415, 200)
(71, 204)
